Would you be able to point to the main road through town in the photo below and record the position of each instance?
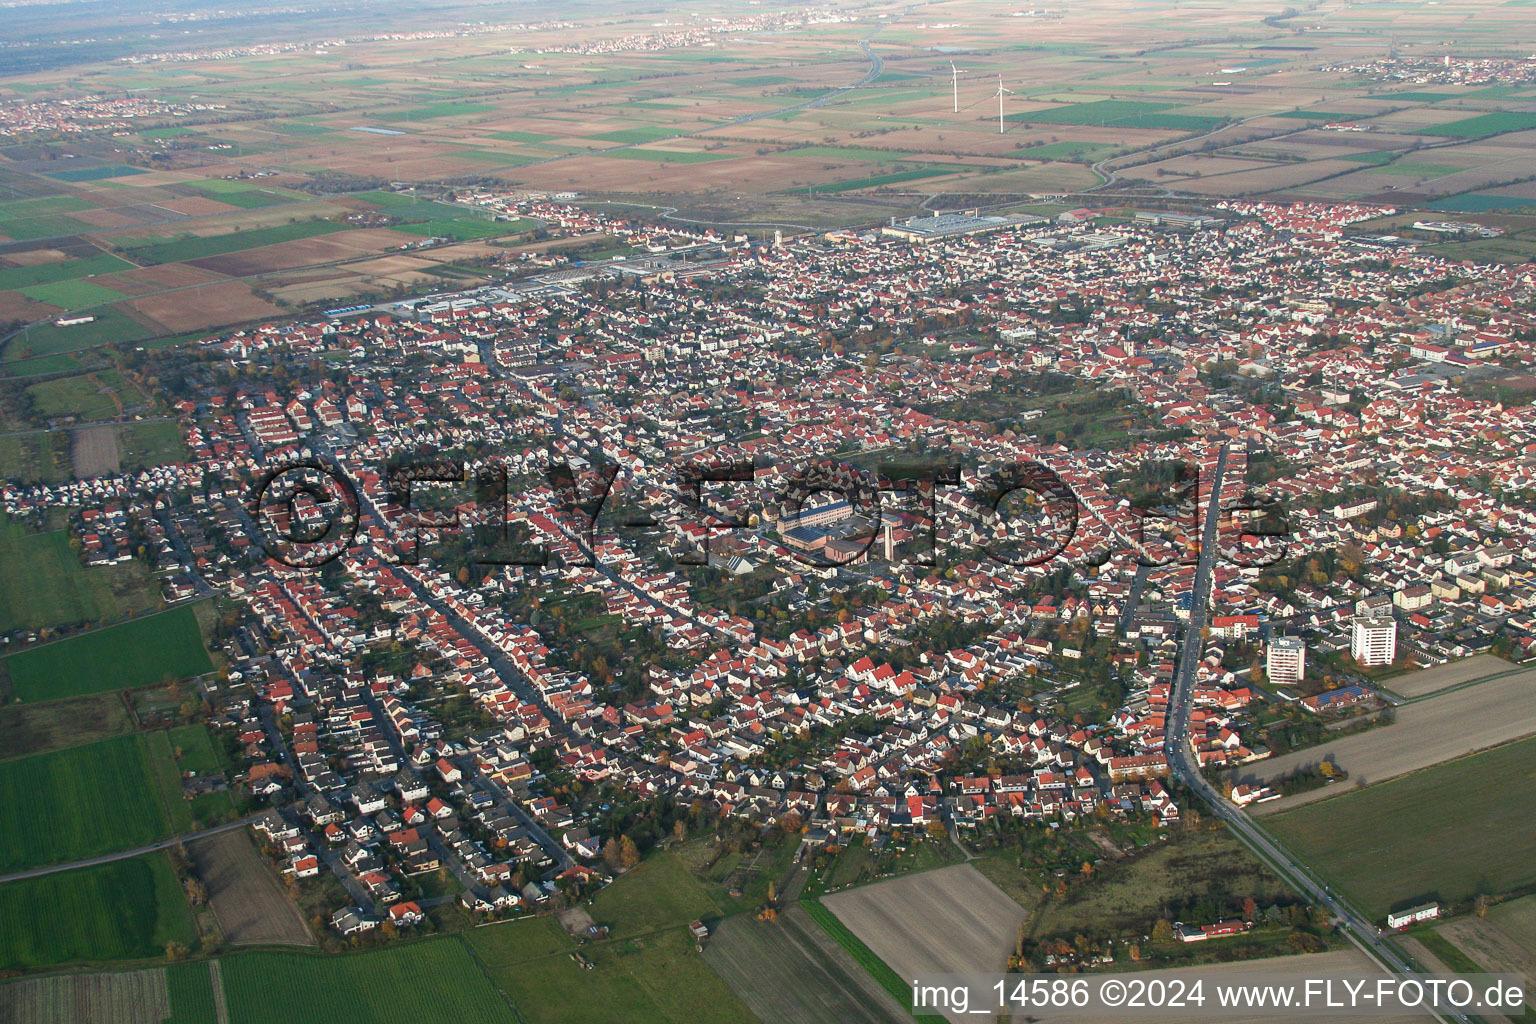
(1186, 769)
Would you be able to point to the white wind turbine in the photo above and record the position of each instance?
(1001, 92)
(954, 81)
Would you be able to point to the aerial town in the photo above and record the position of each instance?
(626, 615)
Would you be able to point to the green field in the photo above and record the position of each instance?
(435, 979)
(462, 229)
(1121, 114)
(1483, 125)
(96, 173)
(44, 584)
(63, 270)
(110, 326)
(661, 156)
(647, 972)
(169, 644)
(88, 396)
(1443, 833)
(191, 247)
(38, 458)
(149, 443)
(435, 110)
(71, 294)
(647, 133)
(123, 910)
(1479, 202)
(894, 178)
(77, 803)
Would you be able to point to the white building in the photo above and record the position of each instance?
(1404, 918)
(1285, 660)
(1373, 640)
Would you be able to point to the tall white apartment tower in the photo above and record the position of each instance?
(1373, 640)
(1285, 660)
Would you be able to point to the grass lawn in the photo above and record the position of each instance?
(77, 803)
(162, 760)
(44, 585)
(124, 910)
(434, 979)
(38, 458)
(1438, 834)
(659, 893)
(167, 644)
(150, 443)
(39, 728)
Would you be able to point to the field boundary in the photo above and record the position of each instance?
(865, 957)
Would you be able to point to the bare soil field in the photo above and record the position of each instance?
(247, 901)
(790, 971)
(305, 252)
(1431, 680)
(94, 451)
(207, 306)
(124, 997)
(950, 920)
(1504, 942)
(32, 257)
(107, 218)
(1425, 733)
(197, 206)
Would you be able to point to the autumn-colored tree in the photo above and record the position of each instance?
(629, 853)
(611, 855)
(679, 830)
(1162, 931)
(1250, 909)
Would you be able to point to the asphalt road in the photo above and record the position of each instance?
(1359, 929)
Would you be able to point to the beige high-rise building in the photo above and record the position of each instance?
(1373, 640)
(1285, 660)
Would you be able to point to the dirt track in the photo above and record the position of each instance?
(247, 900)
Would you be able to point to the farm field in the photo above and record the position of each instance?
(44, 585)
(1504, 942)
(647, 971)
(1447, 725)
(946, 920)
(121, 997)
(39, 728)
(79, 802)
(1443, 677)
(393, 985)
(170, 645)
(791, 971)
(123, 910)
(248, 902)
(1405, 841)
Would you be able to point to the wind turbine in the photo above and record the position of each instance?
(1001, 92)
(954, 81)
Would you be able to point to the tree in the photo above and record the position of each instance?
(1250, 909)
(1162, 931)
(612, 857)
(175, 951)
(629, 853)
(679, 830)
